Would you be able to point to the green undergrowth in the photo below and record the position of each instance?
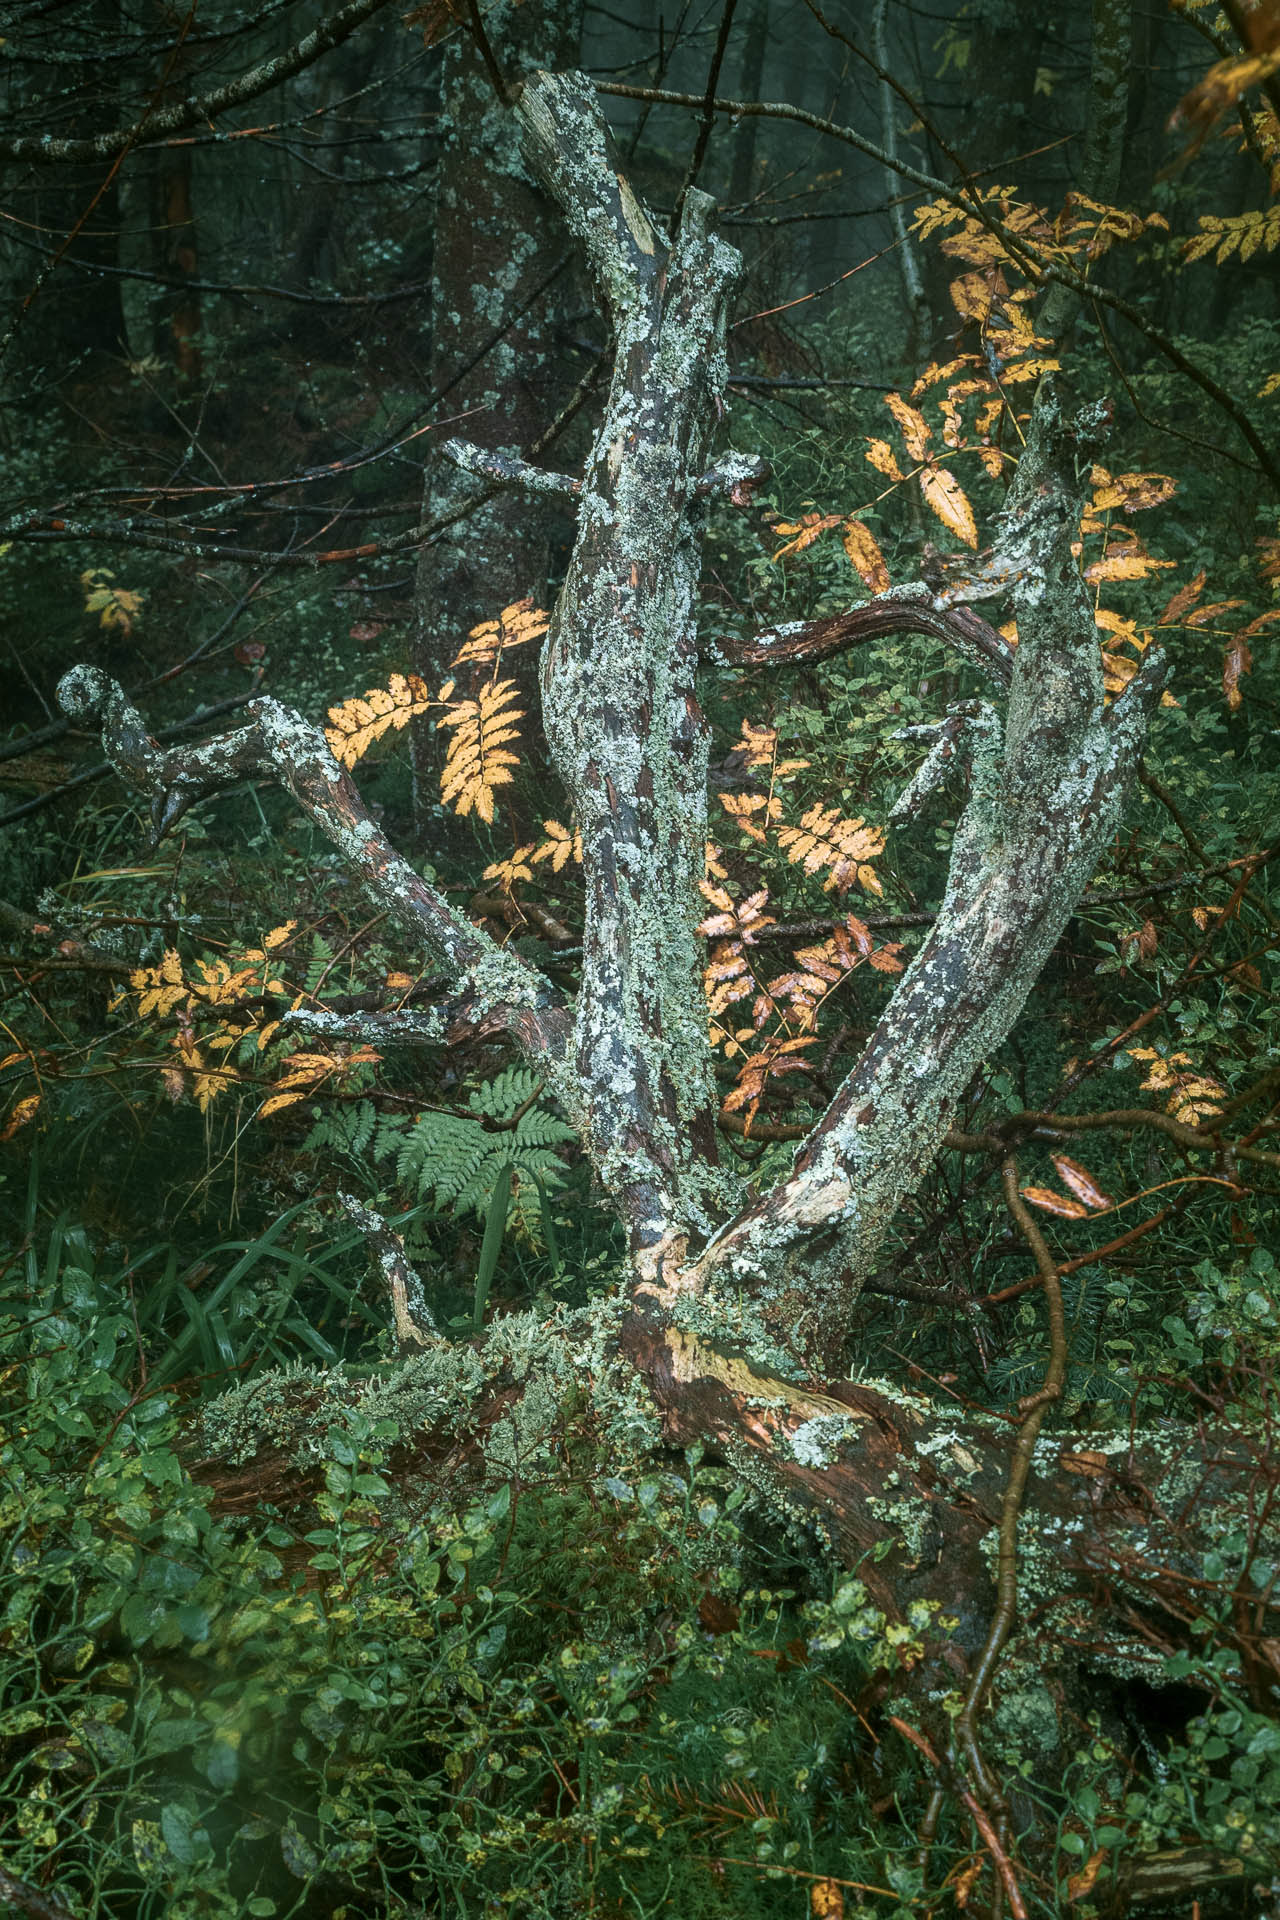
(352, 1682)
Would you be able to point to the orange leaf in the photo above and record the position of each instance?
(1203, 615)
(1081, 1182)
(826, 1901)
(911, 424)
(1183, 600)
(19, 1115)
(1256, 626)
(865, 556)
(1051, 1202)
(1235, 661)
(1083, 1882)
(1134, 492)
(949, 501)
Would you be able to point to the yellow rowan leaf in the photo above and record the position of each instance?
(1134, 492)
(278, 935)
(514, 626)
(947, 498)
(1018, 370)
(207, 1085)
(971, 296)
(1127, 564)
(934, 375)
(825, 838)
(20, 1113)
(509, 871)
(477, 761)
(884, 460)
(274, 1102)
(1117, 671)
(915, 432)
(865, 556)
(358, 723)
(559, 847)
(116, 607)
(826, 1900)
(741, 806)
(1117, 624)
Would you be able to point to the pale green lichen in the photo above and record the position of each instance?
(817, 1443)
(563, 1363)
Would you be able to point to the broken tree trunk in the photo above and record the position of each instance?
(735, 1307)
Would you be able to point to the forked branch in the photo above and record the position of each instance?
(280, 745)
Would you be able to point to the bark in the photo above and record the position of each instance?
(625, 727)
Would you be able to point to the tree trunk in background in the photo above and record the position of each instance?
(497, 237)
(323, 206)
(1110, 60)
(917, 305)
(175, 253)
(76, 315)
(743, 172)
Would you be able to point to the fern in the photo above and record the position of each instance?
(345, 1131)
(457, 1159)
(321, 960)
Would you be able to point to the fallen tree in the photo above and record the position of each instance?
(733, 1327)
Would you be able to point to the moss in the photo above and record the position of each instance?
(564, 1363)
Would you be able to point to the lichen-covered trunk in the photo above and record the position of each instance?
(620, 706)
(1043, 800)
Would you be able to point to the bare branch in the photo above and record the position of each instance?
(414, 1323)
(916, 608)
(507, 468)
(281, 745)
(46, 150)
